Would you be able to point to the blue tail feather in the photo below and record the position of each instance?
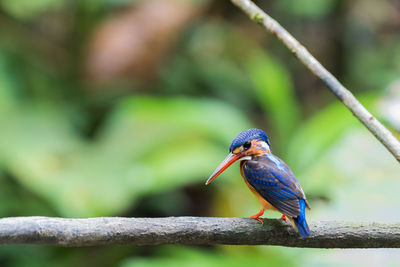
(300, 220)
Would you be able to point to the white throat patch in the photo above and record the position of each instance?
(264, 146)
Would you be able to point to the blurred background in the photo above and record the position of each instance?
(124, 108)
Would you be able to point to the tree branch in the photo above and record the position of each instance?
(344, 95)
(194, 230)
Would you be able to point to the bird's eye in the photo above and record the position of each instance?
(246, 145)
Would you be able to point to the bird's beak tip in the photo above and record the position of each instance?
(231, 158)
(209, 180)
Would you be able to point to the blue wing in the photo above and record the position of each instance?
(276, 183)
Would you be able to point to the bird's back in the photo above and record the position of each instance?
(275, 182)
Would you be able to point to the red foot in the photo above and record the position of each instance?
(257, 216)
(284, 218)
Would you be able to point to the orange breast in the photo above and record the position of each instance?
(264, 204)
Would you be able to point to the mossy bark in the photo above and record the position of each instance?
(194, 230)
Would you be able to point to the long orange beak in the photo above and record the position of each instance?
(231, 158)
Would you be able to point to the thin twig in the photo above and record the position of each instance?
(344, 95)
(194, 230)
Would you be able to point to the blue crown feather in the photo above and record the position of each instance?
(248, 135)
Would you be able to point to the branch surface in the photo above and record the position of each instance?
(194, 230)
(344, 95)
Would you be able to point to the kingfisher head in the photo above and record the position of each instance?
(245, 146)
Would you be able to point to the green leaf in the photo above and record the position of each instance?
(307, 8)
(274, 91)
(315, 136)
(27, 8)
(9, 86)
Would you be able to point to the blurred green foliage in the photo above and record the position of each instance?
(308, 8)
(106, 175)
(186, 256)
(26, 9)
(274, 89)
(78, 146)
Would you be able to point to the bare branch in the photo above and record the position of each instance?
(344, 95)
(194, 230)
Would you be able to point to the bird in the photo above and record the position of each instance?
(268, 177)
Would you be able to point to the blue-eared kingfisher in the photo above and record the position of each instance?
(268, 177)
